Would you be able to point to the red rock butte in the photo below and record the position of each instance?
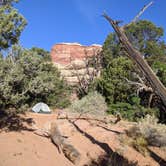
(64, 53)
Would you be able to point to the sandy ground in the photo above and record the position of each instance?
(19, 146)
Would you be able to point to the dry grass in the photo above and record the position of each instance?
(140, 144)
(144, 133)
(152, 131)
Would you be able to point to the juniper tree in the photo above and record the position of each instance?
(12, 24)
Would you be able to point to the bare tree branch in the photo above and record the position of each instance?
(142, 11)
(88, 77)
(138, 15)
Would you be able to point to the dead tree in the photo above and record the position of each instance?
(141, 86)
(91, 62)
(137, 58)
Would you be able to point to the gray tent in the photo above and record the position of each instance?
(41, 108)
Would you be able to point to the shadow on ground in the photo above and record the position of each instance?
(110, 158)
(14, 122)
(157, 158)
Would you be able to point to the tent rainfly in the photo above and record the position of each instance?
(41, 108)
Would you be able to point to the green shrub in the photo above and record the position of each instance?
(132, 110)
(112, 84)
(93, 103)
(27, 78)
(160, 68)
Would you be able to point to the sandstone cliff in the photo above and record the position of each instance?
(70, 59)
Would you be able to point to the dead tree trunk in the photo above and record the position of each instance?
(136, 57)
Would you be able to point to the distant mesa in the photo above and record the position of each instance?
(64, 53)
(63, 43)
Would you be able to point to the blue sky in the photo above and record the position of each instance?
(55, 21)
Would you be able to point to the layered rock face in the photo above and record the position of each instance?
(70, 59)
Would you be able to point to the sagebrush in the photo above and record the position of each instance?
(149, 129)
(93, 103)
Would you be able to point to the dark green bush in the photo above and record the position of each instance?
(132, 110)
(27, 78)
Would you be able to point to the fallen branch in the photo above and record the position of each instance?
(42, 133)
(60, 142)
(85, 118)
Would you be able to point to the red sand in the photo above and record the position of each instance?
(24, 148)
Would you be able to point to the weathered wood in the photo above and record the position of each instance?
(105, 121)
(59, 141)
(69, 150)
(142, 11)
(136, 57)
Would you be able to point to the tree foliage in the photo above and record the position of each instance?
(112, 83)
(11, 25)
(45, 54)
(26, 78)
(147, 38)
(158, 64)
